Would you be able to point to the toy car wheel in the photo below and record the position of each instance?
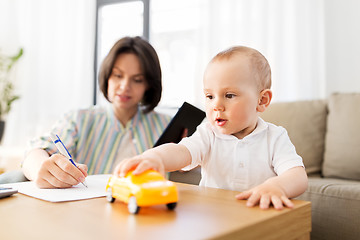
(171, 206)
(132, 205)
(109, 196)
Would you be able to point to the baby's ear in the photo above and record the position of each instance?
(264, 100)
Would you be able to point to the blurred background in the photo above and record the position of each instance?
(312, 46)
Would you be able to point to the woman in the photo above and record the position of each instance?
(99, 137)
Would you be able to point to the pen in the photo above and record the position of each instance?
(62, 149)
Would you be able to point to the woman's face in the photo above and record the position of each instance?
(127, 83)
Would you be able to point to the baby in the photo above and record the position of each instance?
(236, 149)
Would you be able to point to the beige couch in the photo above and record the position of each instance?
(326, 133)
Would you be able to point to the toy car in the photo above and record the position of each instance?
(146, 189)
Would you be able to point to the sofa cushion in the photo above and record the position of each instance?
(342, 151)
(334, 208)
(305, 122)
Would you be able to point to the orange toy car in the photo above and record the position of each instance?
(146, 189)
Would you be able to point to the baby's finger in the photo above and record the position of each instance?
(243, 195)
(278, 204)
(185, 133)
(143, 166)
(128, 165)
(287, 202)
(253, 200)
(264, 201)
(162, 169)
(117, 169)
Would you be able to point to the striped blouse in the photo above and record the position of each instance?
(96, 138)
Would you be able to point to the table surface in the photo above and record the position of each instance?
(201, 213)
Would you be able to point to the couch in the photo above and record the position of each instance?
(326, 133)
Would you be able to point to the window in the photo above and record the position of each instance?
(177, 33)
(187, 34)
(117, 19)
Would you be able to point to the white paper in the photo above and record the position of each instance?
(96, 188)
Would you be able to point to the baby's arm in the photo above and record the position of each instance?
(277, 190)
(164, 158)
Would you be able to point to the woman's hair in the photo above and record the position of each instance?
(149, 63)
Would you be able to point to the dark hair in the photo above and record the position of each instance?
(149, 63)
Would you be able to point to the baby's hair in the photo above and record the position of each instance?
(261, 67)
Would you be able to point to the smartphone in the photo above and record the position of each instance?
(6, 192)
(187, 117)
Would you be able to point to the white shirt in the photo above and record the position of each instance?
(239, 164)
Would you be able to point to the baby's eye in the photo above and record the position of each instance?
(229, 95)
(209, 96)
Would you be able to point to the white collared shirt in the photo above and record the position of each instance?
(239, 164)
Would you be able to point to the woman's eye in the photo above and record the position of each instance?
(209, 97)
(138, 80)
(117, 75)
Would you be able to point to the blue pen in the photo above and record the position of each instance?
(62, 149)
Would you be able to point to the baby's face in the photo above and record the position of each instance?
(231, 96)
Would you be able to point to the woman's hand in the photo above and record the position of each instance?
(58, 172)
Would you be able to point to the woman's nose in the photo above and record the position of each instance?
(125, 84)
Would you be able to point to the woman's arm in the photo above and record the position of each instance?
(32, 163)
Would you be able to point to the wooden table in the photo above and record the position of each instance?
(202, 213)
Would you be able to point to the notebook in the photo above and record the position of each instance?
(96, 188)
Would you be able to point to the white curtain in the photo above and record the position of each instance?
(290, 33)
(55, 74)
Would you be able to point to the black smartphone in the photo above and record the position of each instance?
(187, 117)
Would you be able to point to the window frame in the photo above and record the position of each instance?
(146, 32)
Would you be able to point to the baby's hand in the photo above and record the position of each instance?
(265, 194)
(140, 164)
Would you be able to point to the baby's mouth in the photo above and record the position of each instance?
(220, 122)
